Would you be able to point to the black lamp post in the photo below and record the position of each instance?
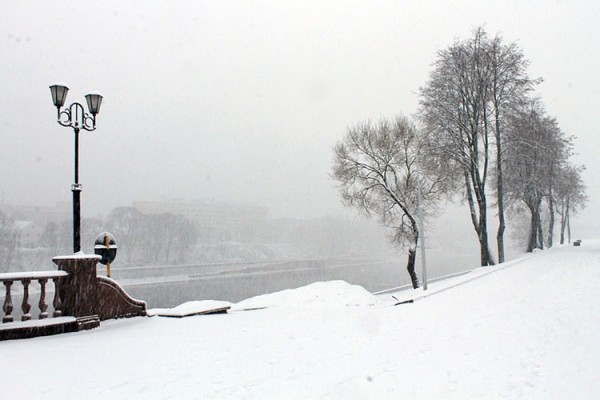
(75, 117)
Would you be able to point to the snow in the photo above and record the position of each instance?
(190, 308)
(59, 84)
(77, 256)
(36, 323)
(318, 294)
(14, 276)
(525, 329)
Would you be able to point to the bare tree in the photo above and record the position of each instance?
(172, 232)
(376, 167)
(536, 150)
(152, 237)
(570, 196)
(127, 224)
(454, 109)
(474, 85)
(508, 86)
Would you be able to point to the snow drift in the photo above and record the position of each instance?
(524, 329)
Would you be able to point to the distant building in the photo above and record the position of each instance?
(239, 220)
(62, 211)
(28, 234)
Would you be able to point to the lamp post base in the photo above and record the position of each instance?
(76, 218)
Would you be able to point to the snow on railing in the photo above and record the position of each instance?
(25, 278)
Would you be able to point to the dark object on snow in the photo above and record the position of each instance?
(402, 302)
(105, 246)
(577, 242)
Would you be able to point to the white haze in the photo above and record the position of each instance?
(242, 101)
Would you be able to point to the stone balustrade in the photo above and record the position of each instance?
(81, 299)
(25, 279)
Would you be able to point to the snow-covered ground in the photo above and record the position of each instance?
(526, 329)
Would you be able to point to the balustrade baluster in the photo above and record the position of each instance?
(8, 306)
(42, 304)
(25, 306)
(57, 303)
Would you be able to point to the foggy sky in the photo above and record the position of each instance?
(242, 101)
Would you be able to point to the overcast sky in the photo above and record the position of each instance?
(242, 101)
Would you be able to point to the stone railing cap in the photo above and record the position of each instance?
(78, 256)
(15, 276)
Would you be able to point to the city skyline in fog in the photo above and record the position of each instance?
(242, 102)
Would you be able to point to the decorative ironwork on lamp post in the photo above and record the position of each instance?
(75, 117)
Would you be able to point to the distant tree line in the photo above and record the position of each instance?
(175, 239)
(152, 238)
(482, 134)
(8, 241)
(167, 239)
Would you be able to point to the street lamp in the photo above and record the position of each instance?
(75, 117)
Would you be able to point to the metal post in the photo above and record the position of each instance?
(422, 236)
(76, 220)
(76, 189)
(107, 244)
(76, 130)
(75, 117)
(420, 212)
(423, 258)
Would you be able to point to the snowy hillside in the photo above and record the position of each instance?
(525, 329)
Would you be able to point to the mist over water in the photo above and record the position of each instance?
(240, 103)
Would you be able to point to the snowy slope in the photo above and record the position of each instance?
(526, 329)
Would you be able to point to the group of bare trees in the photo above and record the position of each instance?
(170, 239)
(480, 126)
(152, 238)
(142, 238)
(539, 174)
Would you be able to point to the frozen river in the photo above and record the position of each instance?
(169, 286)
(235, 282)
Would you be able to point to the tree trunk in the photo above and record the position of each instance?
(471, 203)
(412, 255)
(563, 220)
(501, 228)
(534, 229)
(532, 232)
(551, 222)
(480, 224)
(568, 224)
(540, 233)
(486, 255)
(531, 243)
(500, 190)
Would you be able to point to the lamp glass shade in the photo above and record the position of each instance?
(59, 94)
(94, 100)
